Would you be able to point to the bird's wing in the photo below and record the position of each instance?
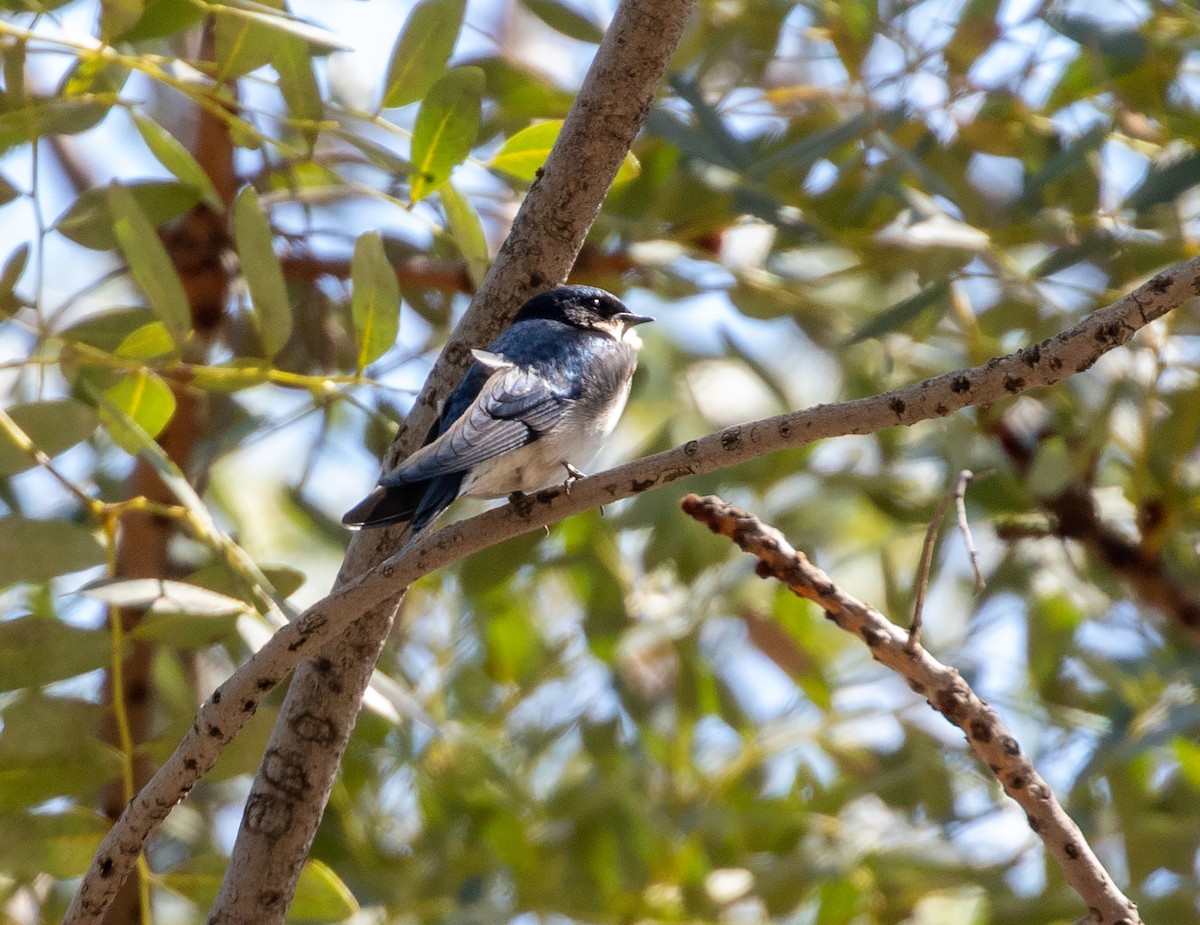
(512, 409)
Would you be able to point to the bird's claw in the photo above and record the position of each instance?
(573, 476)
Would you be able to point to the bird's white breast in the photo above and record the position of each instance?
(575, 440)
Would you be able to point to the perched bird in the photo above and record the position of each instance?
(537, 404)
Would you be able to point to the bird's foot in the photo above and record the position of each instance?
(573, 476)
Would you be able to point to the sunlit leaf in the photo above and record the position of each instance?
(422, 50)
(375, 302)
(321, 895)
(525, 153)
(264, 276)
(145, 398)
(446, 128)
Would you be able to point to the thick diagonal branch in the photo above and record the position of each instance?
(292, 786)
(944, 689)
(234, 701)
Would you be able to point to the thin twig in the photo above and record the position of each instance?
(964, 527)
(944, 689)
(922, 582)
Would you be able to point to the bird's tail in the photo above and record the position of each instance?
(415, 503)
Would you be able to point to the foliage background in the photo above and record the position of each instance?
(617, 721)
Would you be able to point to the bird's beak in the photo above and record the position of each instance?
(630, 320)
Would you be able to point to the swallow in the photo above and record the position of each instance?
(533, 408)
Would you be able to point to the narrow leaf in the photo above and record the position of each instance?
(561, 18)
(38, 550)
(467, 231)
(422, 50)
(375, 305)
(903, 312)
(446, 128)
(36, 651)
(88, 221)
(260, 267)
(298, 84)
(53, 426)
(149, 264)
(10, 275)
(162, 596)
(283, 24)
(173, 155)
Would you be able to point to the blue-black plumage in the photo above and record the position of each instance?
(533, 408)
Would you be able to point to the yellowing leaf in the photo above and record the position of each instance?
(525, 153)
(144, 398)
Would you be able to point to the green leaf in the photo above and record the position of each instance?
(145, 398)
(172, 154)
(60, 844)
(149, 264)
(375, 304)
(162, 18)
(264, 275)
(525, 153)
(422, 50)
(283, 23)
(298, 84)
(53, 426)
(117, 16)
(8, 192)
(1166, 183)
(903, 312)
(38, 550)
(321, 896)
(56, 117)
(36, 651)
(10, 275)
(149, 342)
(43, 756)
(463, 223)
(186, 630)
(162, 596)
(88, 221)
(446, 128)
(243, 44)
(562, 18)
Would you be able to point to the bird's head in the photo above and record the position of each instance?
(585, 307)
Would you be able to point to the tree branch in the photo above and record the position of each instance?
(292, 785)
(233, 702)
(944, 689)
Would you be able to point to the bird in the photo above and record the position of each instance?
(532, 409)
